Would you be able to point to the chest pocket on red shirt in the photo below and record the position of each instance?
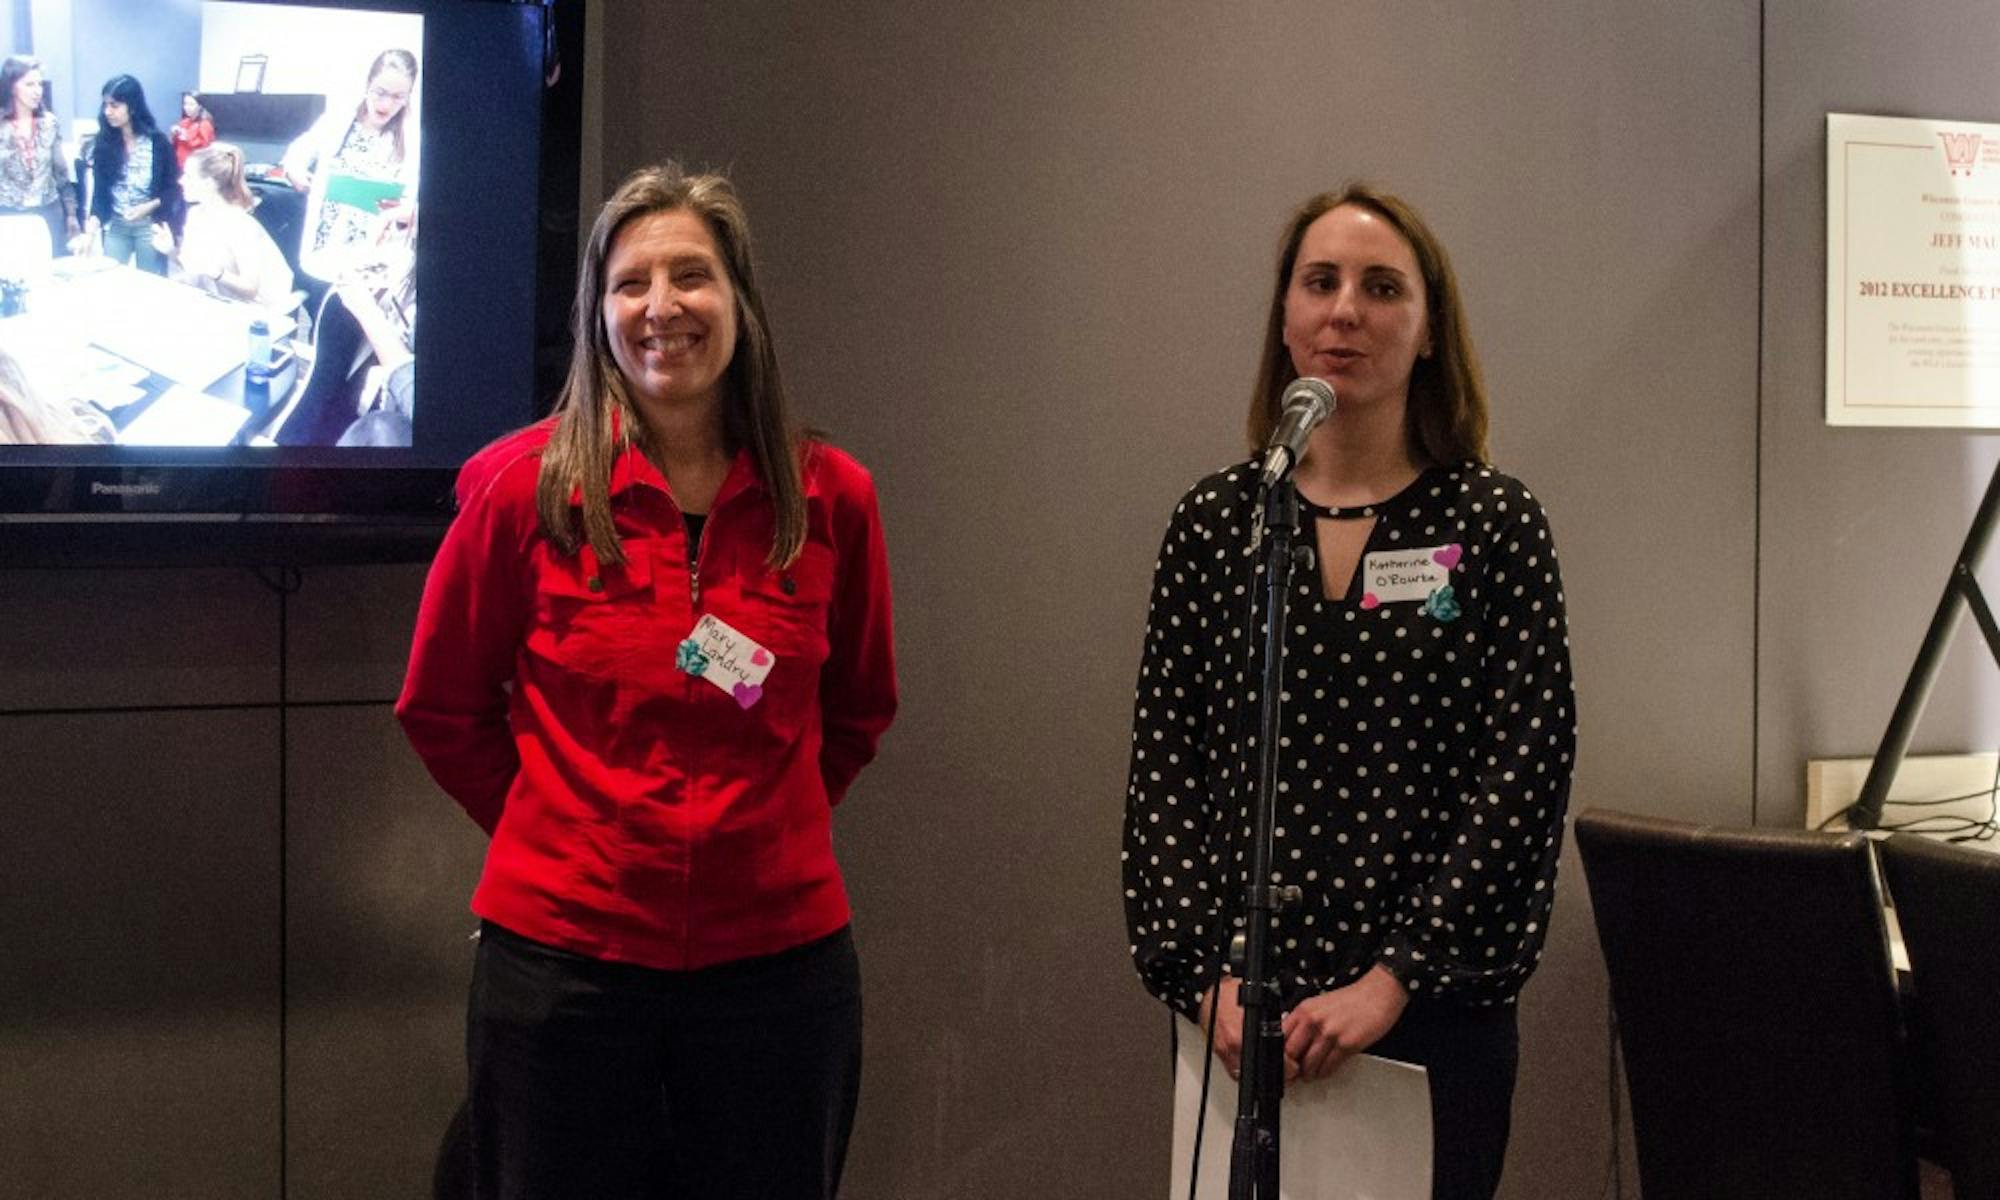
(597, 618)
(790, 605)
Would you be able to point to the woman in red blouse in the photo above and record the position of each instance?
(652, 654)
(193, 131)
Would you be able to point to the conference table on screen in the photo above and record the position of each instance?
(164, 360)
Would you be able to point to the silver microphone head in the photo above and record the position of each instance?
(1310, 391)
(1306, 402)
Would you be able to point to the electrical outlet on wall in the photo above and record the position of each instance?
(1951, 787)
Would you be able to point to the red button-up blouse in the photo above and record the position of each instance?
(639, 813)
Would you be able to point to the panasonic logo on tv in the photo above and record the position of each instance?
(124, 489)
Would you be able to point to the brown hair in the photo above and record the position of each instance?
(14, 69)
(24, 420)
(596, 419)
(400, 60)
(1446, 415)
(222, 165)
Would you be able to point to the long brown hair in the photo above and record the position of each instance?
(400, 60)
(14, 69)
(24, 419)
(1446, 415)
(596, 418)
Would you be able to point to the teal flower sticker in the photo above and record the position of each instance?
(689, 657)
(1441, 605)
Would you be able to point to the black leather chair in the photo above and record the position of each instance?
(1756, 1007)
(1948, 904)
(282, 213)
(86, 180)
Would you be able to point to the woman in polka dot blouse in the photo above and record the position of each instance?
(1429, 720)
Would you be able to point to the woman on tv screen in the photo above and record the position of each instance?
(357, 168)
(33, 177)
(133, 179)
(222, 249)
(194, 130)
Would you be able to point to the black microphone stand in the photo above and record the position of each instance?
(1961, 592)
(1253, 1158)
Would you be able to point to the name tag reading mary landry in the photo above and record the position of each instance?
(728, 658)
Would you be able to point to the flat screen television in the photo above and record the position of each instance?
(292, 369)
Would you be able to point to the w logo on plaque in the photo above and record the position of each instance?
(1961, 151)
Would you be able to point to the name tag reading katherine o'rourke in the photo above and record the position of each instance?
(1392, 576)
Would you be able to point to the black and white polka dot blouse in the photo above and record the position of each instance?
(1425, 762)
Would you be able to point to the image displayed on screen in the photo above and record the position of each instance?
(209, 227)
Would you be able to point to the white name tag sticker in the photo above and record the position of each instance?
(728, 658)
(1394, 576)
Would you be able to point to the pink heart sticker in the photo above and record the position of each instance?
(760, 657)
(1447, 556)
(1368, 600)
(746, 694)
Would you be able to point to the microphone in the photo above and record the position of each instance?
(1307, 402)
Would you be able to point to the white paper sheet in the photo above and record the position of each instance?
(95, 364)
(172, 329)
(183, 417)
(109, 396)
(1363, 1134)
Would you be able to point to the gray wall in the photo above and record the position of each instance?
(163, 52)
(231, 908)
(1016, 261)
(1859, 526)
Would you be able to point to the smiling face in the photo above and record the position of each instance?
(1356, 313)
(669, 311)
(28, 93)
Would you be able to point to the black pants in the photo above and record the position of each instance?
(612, 1081)
(1472, 1056)
(332, 393)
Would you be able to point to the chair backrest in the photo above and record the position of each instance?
(1757, 1009)
(86, 179)
(1948, 904)
(282, 213)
